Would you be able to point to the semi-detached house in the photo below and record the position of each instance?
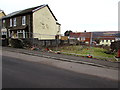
(37, 22)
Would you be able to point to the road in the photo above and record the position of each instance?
(19, 73)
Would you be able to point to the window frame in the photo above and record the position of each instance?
(14, 21)
(23, 20)
(11, 22)
(3, 23)
(106, 41)
(103, 41)
(21, 32)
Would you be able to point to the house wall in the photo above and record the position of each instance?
(58, 29)
(1, 14)
(18, 20)
(105, 42)
(19, 24)
(44, 24)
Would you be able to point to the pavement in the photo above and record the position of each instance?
(67, 58)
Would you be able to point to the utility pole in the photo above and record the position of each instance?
(90, 56)
(56, 38)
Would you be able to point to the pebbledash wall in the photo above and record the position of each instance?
(44, 24)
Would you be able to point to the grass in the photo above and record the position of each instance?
(85, 50)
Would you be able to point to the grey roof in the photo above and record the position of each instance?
(20, 12)
(1, 10)
(11, 14)
(104, 33)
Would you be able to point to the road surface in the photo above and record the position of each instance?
(19, 73)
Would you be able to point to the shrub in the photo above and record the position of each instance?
(115, 46)
(5, 42)
(16, 43)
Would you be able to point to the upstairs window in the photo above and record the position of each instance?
(10, 22)
(14, 21)
(23, 20)
(3, 23)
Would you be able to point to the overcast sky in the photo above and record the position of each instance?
(75, 15)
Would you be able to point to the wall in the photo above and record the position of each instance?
(103, 42)
(1, 14)
(44, 24)
(19, 25)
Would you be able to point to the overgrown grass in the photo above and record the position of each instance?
(96, 52)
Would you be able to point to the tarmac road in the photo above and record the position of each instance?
(18, 73)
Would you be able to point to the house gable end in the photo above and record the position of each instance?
(43, 7)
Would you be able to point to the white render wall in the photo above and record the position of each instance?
(104, 42)
(44, 24)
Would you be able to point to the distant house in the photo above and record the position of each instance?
(82, 36)
(105, 37)
(117, 36)
(36, 22)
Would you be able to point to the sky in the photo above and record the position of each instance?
(75, 15)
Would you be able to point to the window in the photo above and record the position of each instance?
(3, 23)
(14, 22)
(83, 38)
(106, 40)
(21, 33)
(10, 22)
(23, 20)
(102, 40)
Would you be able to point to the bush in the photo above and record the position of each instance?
(109, 52)
(16, 43)
(115, 46)
(5, 42)
(27, 43)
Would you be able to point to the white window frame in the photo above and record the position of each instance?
(9, 32)
(14, 21)
(22, 32)
(23, 20)
(3, 23)
(11, 22)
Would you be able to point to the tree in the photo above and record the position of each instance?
(67, 33)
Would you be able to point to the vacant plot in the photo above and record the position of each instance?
(96, 52)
